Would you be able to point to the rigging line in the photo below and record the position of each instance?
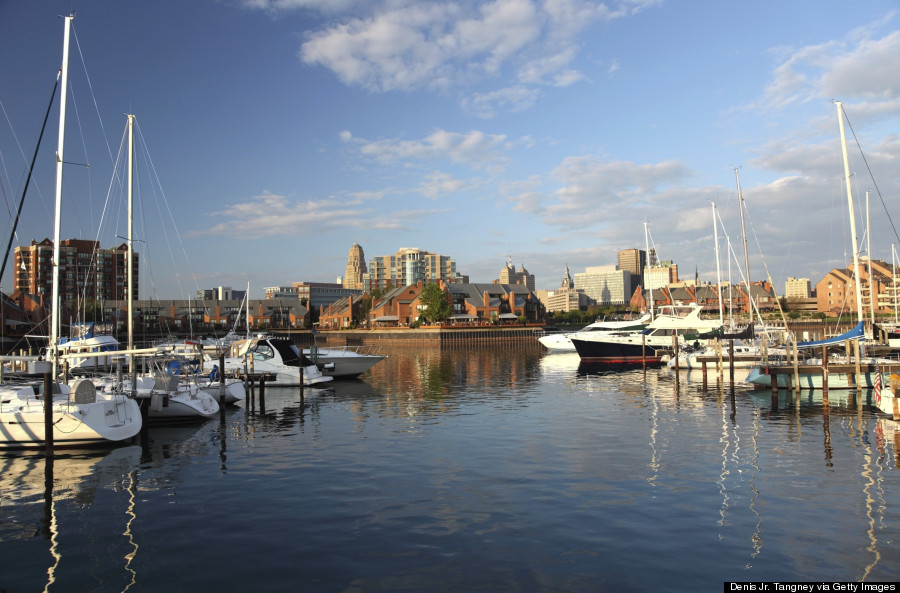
(765, 265)
(871, 176)
(93, 96)
(151, 168)
(28, 179)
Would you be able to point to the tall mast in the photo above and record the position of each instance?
(894, 278)
(130, 253)
(872, 294)
(647, 267)
(859, 313)
(54, 302)
(718, 268)
(744, 235)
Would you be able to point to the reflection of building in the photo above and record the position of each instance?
(605, 285)
(85, 271)
(409, 266)
(356, 268)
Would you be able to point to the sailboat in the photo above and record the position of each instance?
(69, 415)
(166, 396)
(760, 375)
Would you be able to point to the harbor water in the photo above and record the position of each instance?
(471, 469)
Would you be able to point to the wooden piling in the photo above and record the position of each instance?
(262, 395)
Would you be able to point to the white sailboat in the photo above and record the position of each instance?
(166, 396)
(77, 416)
(760, 376)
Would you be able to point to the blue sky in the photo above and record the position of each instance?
(274, 134)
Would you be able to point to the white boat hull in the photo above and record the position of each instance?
(106, 420)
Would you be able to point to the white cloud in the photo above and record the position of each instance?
(407, 45)
(859, 67)
(475, 148)
(514, 99)
(438, 184)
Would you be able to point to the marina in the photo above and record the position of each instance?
(486, 468)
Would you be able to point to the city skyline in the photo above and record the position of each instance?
(277, 133)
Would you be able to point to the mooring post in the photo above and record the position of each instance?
(731, 361)
(644, 352)
(48, 413)
(222, 380)
(262, 394)
(825, 375)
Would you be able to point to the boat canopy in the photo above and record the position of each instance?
(857, 333)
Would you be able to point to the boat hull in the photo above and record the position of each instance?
(74, 425)
(630, 351)
(759, 376)
(343, 363)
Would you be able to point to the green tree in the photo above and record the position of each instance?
(436, 302)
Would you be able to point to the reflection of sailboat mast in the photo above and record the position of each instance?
(129, 558)
(51, 529)
(756, 538)
(654, 429)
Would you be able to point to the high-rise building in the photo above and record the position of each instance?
(408, 266)
(797, 287)
(86, 272)
(605, 285)
(356, 268)
(633, 260)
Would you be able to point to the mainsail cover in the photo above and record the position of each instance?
(857, 333)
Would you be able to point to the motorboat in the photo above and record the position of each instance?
(651, 345)
(342, 363)
(277, 357)
(87, 341)
(562, 342)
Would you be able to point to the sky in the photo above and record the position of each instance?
(272, 135)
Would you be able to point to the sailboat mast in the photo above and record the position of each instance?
(840, 109)
(54, 302)
(718, 267)
(130, 253)
(744, 235)
(872, 294)
(894, 278)
(647, 268)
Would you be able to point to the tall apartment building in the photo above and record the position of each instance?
(408, 266)
(633, 260)
(797, 287)
(605, 285)
(356, 268)
(87, 272)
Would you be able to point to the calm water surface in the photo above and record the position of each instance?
(488, 469)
